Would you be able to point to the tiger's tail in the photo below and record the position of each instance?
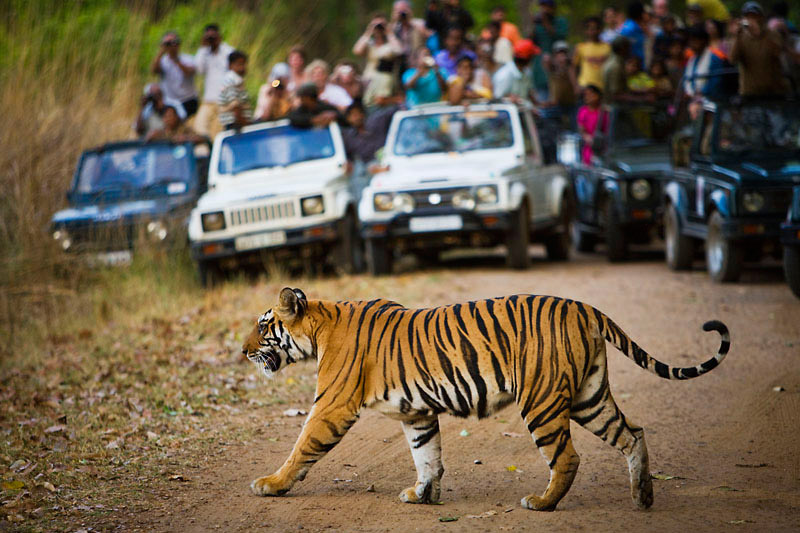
(620, 339)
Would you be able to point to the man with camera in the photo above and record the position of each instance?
(176, 71)
(757, 50)
(273, 97)
(211, 61)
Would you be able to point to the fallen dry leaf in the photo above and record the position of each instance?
(294, 412)
(56, 428)
(49, 486)
(513, 435)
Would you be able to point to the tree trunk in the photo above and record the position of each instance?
(525, 17)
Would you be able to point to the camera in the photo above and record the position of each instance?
(429, 61)
(380, 26)
(745, 23)
(403, 16)
(277, 84)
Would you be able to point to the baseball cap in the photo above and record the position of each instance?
(560, 46)
(279, 70)
(752, 8)
(525, 49)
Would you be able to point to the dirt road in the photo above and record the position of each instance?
(726, 444)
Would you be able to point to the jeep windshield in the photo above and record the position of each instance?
(274, 147)
(641, 125)
(457, 131)
(136, 167)
(759, 128)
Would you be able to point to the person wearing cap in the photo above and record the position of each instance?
(757, 50)
(513, 80)
(154, 103)
(234, 103)
(177, 72)
(590, 55)
(310, 111)
(273, 97)
(211, 61)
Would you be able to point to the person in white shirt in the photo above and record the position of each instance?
(177, 72)
(211, 61)
(317, 73)
(513, 80)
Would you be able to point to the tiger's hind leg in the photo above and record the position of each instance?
(595, 409)
(425, 442)
(555, 444)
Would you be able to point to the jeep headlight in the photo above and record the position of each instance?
(313, 205)
(403, 202)
(640, 189)
(157, 230)
(62, 238)
(463, 200)
(486, 194)
(383, 201)
(752, 201)
(213, 221)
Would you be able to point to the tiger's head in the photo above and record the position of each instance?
(279, 337)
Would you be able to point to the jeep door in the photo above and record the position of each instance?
(541, 168)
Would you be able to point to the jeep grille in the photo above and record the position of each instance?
(262, 213)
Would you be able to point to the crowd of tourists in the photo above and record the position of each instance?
(642, 53)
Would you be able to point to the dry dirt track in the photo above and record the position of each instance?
(729, 439)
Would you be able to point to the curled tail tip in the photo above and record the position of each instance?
(722, 329)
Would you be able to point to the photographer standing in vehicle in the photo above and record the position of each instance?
(154, 104)
(757, 50)
(211, 61)
(177, 72)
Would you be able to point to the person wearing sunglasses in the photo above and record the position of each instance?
(176, 71)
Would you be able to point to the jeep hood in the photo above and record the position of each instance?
(258, 185)
(642, 159)
(778, 170)
(444, 168)
(131, 210)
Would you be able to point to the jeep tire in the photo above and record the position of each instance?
(791, 268)
(557, 243)
(616, 244)
(379, 256)
(724, 258)
(678, 248)
(208, 272)
(348, 254)
(518, 239)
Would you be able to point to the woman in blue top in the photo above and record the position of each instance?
(425, 83)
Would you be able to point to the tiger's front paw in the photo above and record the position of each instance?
(536, 503)
(422, 493)
(268, 486)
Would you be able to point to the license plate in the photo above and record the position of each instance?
(260, 240)
(120, 257)
(443, 223)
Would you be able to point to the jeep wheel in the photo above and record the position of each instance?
(616, 244)
(723, 257)
(557, 244)
(791, 268)
(379, 257)
(348, 255)
(518, 238)
(679, 249)
(208, 273)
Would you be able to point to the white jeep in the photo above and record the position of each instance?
(465, 176)
(275, 189)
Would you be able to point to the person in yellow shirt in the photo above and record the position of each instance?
(590, 55)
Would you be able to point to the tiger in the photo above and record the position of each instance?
(547, 354)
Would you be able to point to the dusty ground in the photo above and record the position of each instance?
(725, 445)
(729, 438)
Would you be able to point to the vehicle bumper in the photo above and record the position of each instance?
(751, 228)
(473, 227)
(295, 237)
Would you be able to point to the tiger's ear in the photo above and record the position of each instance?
(291, 307)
